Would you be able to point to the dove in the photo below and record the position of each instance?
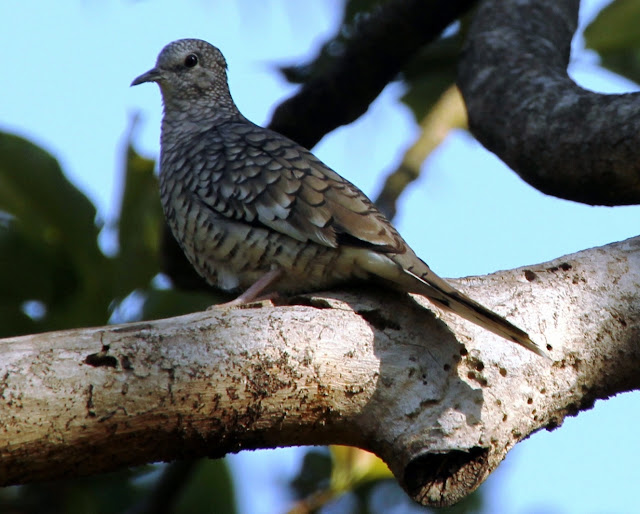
(255, 212)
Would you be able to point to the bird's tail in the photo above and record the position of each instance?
(444, 295)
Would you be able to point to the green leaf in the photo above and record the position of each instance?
(615, 36)
(109, 493)
(140, 225)
(34, 190)
(210, 490)
(28, 265)
(48, 244)
(13, 321)
(353, 467)
(31, 269)
(166, 303)
(615, 27)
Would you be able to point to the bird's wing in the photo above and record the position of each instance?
(263, 178)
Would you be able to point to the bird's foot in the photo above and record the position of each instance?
(253, 296)
(267, 300)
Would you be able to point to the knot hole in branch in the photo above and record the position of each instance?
(442, 479)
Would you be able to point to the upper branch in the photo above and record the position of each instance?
(381, 45)
(439, 399)
(562, 139)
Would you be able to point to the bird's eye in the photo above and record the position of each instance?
(191, 60)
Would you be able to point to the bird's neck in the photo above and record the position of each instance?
(198, 115)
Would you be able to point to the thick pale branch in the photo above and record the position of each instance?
(440, 400)
(562, 139)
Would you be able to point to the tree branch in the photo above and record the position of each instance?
(383, 42)
(440, 400)
(562, 139)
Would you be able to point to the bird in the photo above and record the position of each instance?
(254, 212)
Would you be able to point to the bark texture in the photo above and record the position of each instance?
(563, 140)
(440, 400)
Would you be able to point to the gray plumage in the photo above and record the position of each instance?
(255, 211)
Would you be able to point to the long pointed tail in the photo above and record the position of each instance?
(411, 274)
(444, 295)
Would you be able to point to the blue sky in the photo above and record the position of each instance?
(65, 84)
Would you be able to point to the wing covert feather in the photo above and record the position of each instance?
(269, 179)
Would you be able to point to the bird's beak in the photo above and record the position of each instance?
(153, 75)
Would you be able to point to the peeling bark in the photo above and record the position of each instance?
(440, 400)
(562, 139)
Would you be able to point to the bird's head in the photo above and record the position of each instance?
(189, 71)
